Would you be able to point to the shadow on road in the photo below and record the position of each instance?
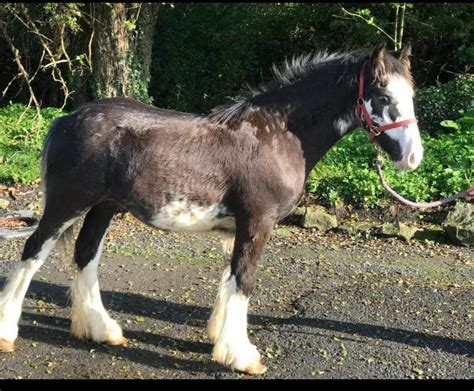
(63, 338)
(185, 314)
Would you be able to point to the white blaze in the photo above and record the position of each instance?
(408, 137)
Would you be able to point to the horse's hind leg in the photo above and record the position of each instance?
(214, 325)
(89, 318)
(35, 252)
(228, 325)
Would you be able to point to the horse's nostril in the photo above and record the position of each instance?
(412, 159)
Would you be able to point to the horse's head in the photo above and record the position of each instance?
(388, 100)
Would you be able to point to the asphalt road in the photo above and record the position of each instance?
(325, 306)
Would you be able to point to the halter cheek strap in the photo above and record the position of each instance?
(364, 117)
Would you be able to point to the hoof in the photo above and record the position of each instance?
(6, 346)
(248, 361)
(117, 342)
(256, 369)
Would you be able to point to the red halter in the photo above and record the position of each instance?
(363, 115)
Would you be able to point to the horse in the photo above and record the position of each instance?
(238, 170)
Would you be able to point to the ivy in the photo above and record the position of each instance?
(138, 87)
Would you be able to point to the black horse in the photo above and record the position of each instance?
(238, 170)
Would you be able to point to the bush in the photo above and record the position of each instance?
(21, 141)
(204, 54)
(449, 100)
(346, 172)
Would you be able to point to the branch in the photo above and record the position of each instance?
(89, 47)
(54, 64)
(63, 47)
(39, 66)
(402, 25)
(397, 8)
(23, 72)
(45, 41)
(15, 14)
(17, 76)
(367, 21)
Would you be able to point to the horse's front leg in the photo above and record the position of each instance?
(232, 346)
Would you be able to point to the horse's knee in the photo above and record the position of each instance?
(249, 244)
(246, 278)
(85, 252)
(88, 244)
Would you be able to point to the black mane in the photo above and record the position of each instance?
(297, 68)
(285, 74)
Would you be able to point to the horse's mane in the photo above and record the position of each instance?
(291, 71)
(284, 74)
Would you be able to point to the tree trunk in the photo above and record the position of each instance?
(110, 48)
(144, 39)
(122, 44)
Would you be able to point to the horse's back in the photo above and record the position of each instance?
(109, 127)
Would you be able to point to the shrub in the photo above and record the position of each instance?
(346, 172)
(449, 100)
(21, 139)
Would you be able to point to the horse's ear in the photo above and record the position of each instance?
(405, 54)
(378, 63)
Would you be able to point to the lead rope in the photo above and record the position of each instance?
(468, 194)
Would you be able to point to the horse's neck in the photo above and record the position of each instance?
(312, 118)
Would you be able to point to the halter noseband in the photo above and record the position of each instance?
(363, 115)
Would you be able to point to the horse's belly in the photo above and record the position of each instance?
(184, 216)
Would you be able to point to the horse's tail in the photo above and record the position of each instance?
(45, 156)
(22, 215)
(66, 240)
(64, 243)
(228, 245)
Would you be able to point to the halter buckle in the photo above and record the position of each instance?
(375, 131)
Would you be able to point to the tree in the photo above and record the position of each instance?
(91, 50)
(122, 50)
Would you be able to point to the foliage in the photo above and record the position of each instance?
(138, 87)
(346, 173)
(20, 147)
(62, 54)
(38, 39)
(204, 54)
(449, 100)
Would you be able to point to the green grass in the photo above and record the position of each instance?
(21, 140)
(346, 173)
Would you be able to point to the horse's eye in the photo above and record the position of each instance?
(384, 100)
